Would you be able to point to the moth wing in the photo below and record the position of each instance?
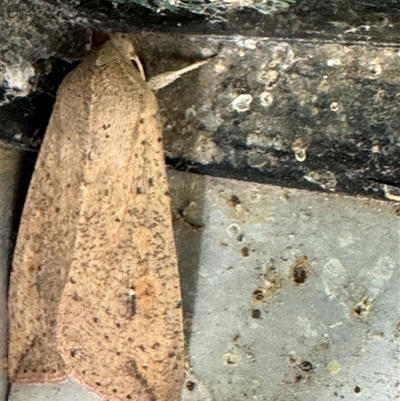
(46, 237)
(120, 320)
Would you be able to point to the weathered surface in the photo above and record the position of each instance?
(288, 294)
(296, 292)
(323, 116)
(95, 291)
(324, 86)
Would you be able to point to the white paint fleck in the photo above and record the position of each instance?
(242, 103)
(334, 106)
(333, 62)
(267, 76)
(234, 229)
(293, 359)
(190, 113)
(391, 192)
(266, 99)
(334, 367)
(250, 44)
(326, 180)
(16, 79)
(375, 68)
(299, 148)
(232, 358)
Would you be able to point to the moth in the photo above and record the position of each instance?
(95, 292)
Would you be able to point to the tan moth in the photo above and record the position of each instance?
(94, 291)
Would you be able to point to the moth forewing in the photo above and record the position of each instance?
(95, 290)
(45, 243)
(124, 241)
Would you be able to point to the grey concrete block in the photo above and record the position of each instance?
(66, 391)
(288, 295)
(297, 293)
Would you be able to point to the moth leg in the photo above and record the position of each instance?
(166, 78)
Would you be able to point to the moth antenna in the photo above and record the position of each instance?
(166, 78)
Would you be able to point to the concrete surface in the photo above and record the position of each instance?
(320, 115)
(296, 293)
(288, 295)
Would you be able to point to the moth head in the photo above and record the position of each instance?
(122, 42)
